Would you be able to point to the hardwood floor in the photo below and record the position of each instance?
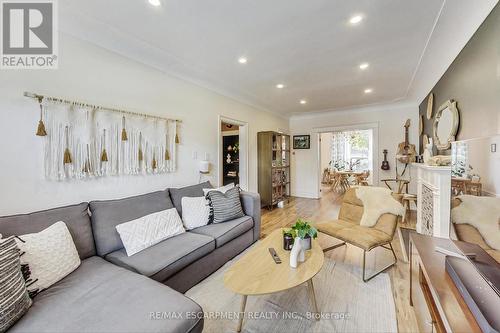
(327, 208)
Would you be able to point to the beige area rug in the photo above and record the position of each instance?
(346, 303)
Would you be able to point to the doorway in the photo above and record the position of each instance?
(347, 157)
(233, 152)
(231, 157)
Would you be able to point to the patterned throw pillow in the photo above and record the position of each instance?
(14, 298)
(195, 212)
(222, 189)
(49, 255)
(146, 231)
(225, 206)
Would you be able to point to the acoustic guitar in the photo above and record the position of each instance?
(406, 151)
(385, 163)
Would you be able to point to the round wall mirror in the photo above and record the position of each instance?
(446, 125)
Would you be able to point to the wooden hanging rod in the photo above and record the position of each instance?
(40, 98)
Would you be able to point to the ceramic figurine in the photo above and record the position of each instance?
(228, 159)
(428, 152)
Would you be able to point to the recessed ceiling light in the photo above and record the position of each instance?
(355, 19)
(303, 101)
(242, 60)
(364, 65)
(368, 91)
(155, 3)
(280, 86)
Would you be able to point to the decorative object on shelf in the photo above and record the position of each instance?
(430, 105)
(385, 163)
(40, 131)
(228, 159)
(79, 138)
(229, 148)
(406, 150)
(421, 125)
(425, 139)
(427, 151)
(446, 125)
(236, 147)
(439, 160)
(124, 131)
(301, 142)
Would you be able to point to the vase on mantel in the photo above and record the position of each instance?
(298, 253)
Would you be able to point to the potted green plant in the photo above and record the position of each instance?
(302, 230)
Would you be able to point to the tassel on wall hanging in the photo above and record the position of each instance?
(167, 154)
(86, 166)
(104, 154)
(153, 163)
(140, 154)
(67, 154)
(176, 134)
(40, 131)
(124, 131)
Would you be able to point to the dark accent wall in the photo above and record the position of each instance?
(473, 80)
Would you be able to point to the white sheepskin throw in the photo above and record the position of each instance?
(483, 213)
(377, 201)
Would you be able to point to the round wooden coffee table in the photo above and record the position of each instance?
(256, 273)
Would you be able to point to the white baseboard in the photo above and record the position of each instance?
(307, 195)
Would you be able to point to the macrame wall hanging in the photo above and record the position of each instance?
(86, 141)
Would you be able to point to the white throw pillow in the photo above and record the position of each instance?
(222, 189)
(146, 231)
(50, 254)
(195, 212)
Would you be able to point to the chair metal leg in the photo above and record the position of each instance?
(365, 279)
(334, 247)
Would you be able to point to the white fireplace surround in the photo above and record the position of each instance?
(433, 200)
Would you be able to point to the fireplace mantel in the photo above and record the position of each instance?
(433, 200)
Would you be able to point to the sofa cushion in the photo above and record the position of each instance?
(176, 194)
(226, 231)
(166, 258)
(106, 215)
(102, 297)
(76, 218)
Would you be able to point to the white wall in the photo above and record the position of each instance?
(390, 119)
(92, 74)
(326, 151)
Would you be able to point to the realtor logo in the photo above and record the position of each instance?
(29, 38)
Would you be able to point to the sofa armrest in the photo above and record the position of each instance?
(251, 207)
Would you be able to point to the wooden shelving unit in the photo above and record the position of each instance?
(273, 167)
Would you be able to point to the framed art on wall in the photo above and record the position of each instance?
(301, 142)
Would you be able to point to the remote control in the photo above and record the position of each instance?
(274, 255)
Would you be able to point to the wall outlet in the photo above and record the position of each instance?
(493, 148)
(195, 155)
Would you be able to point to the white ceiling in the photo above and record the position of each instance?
(308, 45)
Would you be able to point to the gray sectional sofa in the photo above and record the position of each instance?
(111, 292)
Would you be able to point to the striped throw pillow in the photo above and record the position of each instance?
(225, 206)
(14, 298)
